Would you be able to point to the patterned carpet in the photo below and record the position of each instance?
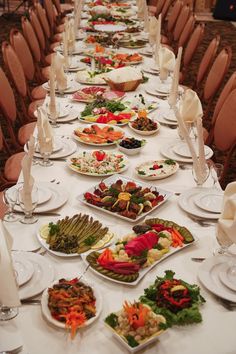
(228, 34)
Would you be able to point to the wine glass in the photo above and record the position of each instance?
(204, 177)
(216, 173)
(10, 199)
(8, 313)
(53, 115)
(224, 243)
(67, 65)
(28, 209)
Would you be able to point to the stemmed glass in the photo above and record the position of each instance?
(216, 173)
(67, 65)
(224, 243)
(28, 211)
(45, 162)
(8, 313)
(205, 176)
(10, 198)
(53, 116)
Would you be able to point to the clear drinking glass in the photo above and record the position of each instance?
(216, 173)
(224, 243)
(68, 63)
(205, 176)
(53, 116)
(29, 218)
(10, 198)
(7, 313)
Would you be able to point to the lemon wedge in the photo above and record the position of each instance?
(109, 235)
(99, 244)
(44, 232)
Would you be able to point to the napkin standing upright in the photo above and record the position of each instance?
(59, 71)
(65, 48)
(146, 17)
(153, 27)
(52, 103)
(9, 289)
(28, 184)
(45, 135)
(140, 6)
(226, 227)
(158, 42)
(172, 99)
(166, 62)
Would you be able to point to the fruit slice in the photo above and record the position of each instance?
(44, 231)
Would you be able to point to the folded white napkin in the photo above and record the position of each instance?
(28, 184)
(172, 100)
(153, 27)
(52, 86)
(61, 78)
(190, 106)
(226, 227)
(166, 62)
(158, 41)
(45, 133)
(190, 111)
(8, 290)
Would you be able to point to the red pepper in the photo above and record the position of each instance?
(99, 155)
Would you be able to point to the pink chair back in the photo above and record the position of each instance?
(15, 68)
(165, 9)
(193, 44)
(175, 11)
(7, 99)
(181, 22)
(228, 88)
(207, 59)
(48, 6)
(188, 29)
(43, 19)
(160, 4)
(217, 73)
(22, 50)
(58, 6)
(31, 38)
(37, 29)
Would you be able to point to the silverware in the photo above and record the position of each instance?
(85, 271)
(202, 222)
(31, 302)
(40, 213)
(14, 351)
(229, 305)
(198, 259)
(185, 167)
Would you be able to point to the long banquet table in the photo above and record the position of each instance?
(215, 335)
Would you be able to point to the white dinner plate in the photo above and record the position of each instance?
(72, 115)
(110, 28)
(75, 169)
(42, 277)
(77, 50)
(164, 172)
(167, 151)
(153, 92)
(161, 119)
(169, 115)
(63, 112)
(163, 88)
(47, 314)
(68, 148)
(208, 274)
(182, 149)
(59, 197)
(24, 268)
(44, 194)
(57, 145)
(83, 78)
(226, 276)
(210, 201)
(72, 87)
(186, 202)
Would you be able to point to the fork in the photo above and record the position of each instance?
(202, 222)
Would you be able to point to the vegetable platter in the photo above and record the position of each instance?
(135, 254)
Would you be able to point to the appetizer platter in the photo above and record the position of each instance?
(133, 44)
(90, 77)
(98, 163)
(90, 94)
(135, 254)
(106, 112)
(125, 198)
(175, 299)
(143, 125)
(71, 304)
(71, 236)
(98, 134)
(135, 325)
(104, 62)
(131, 146)
(128, 59)
(158, 169)
(139, 102)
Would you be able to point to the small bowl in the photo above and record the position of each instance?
(133, 151)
